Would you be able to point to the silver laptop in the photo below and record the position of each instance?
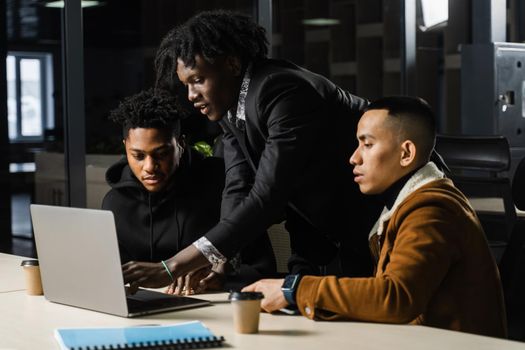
(80, 264)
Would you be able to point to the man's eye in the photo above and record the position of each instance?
(162, 155)
(138, 156)
(367, 145)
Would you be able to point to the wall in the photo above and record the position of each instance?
(362, 52)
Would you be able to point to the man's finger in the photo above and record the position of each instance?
(203, 283)
(190, 283)
(206, 279)
(133, 287)
(131, 273)
(179, 286)
(264, 307)
(130, 277)
(200, 287)
(250, 288)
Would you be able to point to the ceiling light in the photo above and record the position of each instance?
(321, 22)
(84, 3)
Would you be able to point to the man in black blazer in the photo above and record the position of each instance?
(287, 137)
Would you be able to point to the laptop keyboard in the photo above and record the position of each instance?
(145, 300)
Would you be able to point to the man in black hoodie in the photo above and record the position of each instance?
(165, 196)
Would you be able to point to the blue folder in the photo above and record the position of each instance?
(175, 336)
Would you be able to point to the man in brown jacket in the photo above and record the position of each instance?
(433, 264)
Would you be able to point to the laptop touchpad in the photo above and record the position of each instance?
(151, 299)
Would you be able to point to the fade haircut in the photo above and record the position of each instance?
(413, 118)
(211, 34)
(152, 108)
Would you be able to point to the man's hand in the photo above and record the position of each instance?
(273, 296)
(144, 274)
(188, 260)
(154, 275)
(215, 279)
(199, 281)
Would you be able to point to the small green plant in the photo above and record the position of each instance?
(204, 148)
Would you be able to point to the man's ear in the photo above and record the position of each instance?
(408, 153)
(182, 140)
(234, 64)
(124, 144)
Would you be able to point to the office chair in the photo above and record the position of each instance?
(281, 246)
(511, 257)
(518, 186)
(479, 167)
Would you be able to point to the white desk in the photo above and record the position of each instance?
(492, 205)
(27, 322)
(11, 274)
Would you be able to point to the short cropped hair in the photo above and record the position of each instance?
(415, 121)
(211, 34)
(152, 108)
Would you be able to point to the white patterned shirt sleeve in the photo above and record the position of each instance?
(209, 251)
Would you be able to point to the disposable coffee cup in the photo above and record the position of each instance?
(246, 310)
(32, 277)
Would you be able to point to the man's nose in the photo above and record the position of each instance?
(192, 94)
(149, 164)
(354, 158)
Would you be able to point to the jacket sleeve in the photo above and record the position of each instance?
(294, 117)
(420, 258)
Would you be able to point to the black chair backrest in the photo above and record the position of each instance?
(510, 262)
(479, 167)
(477, 153)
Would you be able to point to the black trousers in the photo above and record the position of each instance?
(344, 252)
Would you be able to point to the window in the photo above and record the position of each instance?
(434, 14)
(29, 103)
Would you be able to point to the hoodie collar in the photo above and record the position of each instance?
(423, 176)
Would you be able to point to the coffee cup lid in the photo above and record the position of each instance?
(246, 296)
(32, 262)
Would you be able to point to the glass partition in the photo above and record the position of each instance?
(34, 114)
(318, 35)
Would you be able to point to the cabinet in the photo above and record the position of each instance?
(50, 184)
(493, 93)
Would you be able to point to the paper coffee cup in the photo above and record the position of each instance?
(32, 277)
(246, 309)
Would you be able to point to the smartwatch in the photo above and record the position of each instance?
(289, 288)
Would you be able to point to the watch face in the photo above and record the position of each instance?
(289, 281)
